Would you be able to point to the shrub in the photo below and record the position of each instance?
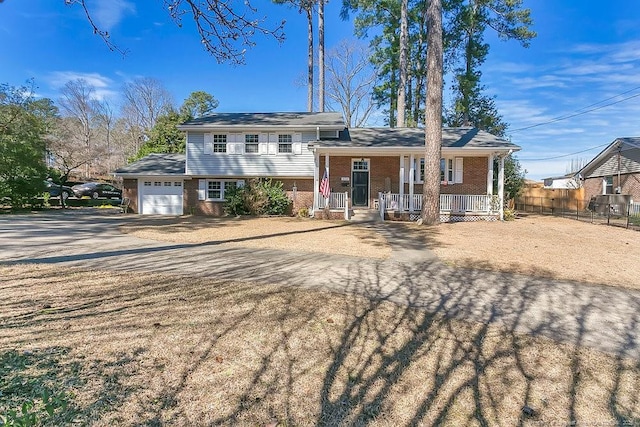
(257, 197)
(509, 214)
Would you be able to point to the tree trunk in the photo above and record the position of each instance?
(433, 116)
(310, 59)
(402, 84)
(321, 55)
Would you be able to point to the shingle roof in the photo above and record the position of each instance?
(415, 137)
(156, 164)
(327, 119)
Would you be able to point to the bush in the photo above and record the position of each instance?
(257, 197)
(509, 214)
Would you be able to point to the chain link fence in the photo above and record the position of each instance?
(593, 210)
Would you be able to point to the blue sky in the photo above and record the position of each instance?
(585, 52)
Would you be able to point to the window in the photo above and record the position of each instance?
(285, 143)
(608, 185)
(446, 170)
(219, 143)
(216, 189)
(177, 184)
(167, 183)
(251, 143)
(147, 183)
(157, 184)
(361, 165)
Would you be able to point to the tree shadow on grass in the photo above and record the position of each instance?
(389, 344)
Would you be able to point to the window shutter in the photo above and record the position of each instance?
(297, 137)
(263, 140)
(458, 170)
(208, 143)
(202, 189)
(273, 143)
(296, 147)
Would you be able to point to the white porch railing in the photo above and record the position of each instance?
(337, 201)
(456, 203)
(634, 209)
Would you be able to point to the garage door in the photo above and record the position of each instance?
(161, 197)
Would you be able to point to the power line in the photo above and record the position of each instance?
(566, 155)
(584, 110)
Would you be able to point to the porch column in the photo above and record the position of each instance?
(316, 179)
(412, 178)
(326, 168)
(501, 187)
(490, 175)
(401, 192)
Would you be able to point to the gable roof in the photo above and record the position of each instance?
(606, 162)
(287, 120)
(155, 164)
(459, 137)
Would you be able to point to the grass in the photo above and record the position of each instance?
(153, 350)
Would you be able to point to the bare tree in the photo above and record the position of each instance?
(350, 82)
(226, 30)
(145, 99)
(105, 120)
(433, 115)
(78, 106)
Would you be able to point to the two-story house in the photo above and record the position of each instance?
(367, 168)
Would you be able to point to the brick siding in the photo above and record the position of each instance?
(629, 184)
(130, 190)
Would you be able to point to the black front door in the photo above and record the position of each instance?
(360, 188)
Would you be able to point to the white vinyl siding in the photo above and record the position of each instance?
(267, 162)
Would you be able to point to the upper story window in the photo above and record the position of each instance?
(219, 143)
(251, 143)
(285, 143)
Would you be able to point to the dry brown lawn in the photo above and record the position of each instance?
(160, 350)
(535, 245)
(292, 234)
(545, 246)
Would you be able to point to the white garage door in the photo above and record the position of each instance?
(161, 197)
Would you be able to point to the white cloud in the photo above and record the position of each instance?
(109, 13)
(102, 85)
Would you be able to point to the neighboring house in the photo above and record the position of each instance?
(570, 181)
(616, 170)
(378, 169)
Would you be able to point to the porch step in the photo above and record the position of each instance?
(365, 215)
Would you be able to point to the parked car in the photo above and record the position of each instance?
(97, 189)
(55, 190)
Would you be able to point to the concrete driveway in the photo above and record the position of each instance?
(600, 317)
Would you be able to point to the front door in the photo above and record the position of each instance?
(360, 182)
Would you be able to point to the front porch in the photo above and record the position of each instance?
(394, 206)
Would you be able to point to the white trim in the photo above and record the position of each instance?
(490, 174)
(222, 188)
(368, 170)
(401, 178)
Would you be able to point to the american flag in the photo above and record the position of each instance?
(324, 186)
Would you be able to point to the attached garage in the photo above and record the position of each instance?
(160, 196)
